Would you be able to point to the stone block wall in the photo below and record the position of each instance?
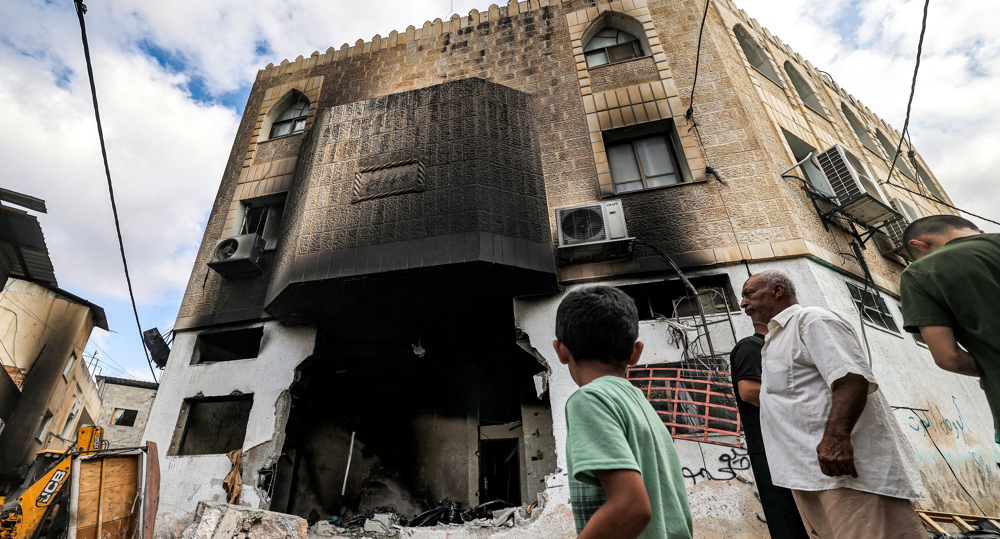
(128, 397)
(535, 47)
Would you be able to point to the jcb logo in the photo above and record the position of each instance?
(51, 488)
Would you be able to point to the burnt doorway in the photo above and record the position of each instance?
(500, 471)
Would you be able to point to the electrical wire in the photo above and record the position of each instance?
(80, 10)
(697, 61)
(913, 89)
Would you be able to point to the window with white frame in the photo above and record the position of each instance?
(611, 45)
(644, 157)
(755, 54)
(804, 90)
(874, 310)
(292, 120)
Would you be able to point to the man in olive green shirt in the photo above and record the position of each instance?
(951, 296)
(624, 475)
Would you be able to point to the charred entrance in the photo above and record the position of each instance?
(406, 407)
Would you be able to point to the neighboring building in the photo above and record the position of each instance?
(125, 406)
(379, 274)
(46, 391)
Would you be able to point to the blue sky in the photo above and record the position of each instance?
(173, 78)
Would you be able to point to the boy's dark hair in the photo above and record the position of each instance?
(598, 323)
(935, 224)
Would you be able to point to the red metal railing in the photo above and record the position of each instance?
(695, 404)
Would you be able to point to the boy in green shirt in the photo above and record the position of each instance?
(625, 478)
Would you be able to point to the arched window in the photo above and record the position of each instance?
(928, 182)
(755, 55)
(292, 120)
(803, 89)
(890, 150)
(859, 129)
(610, 45)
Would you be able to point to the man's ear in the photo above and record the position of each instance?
(562, 352)
(920, 245)
(636, 352)
(779, 290)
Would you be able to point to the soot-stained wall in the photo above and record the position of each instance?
(408, 180)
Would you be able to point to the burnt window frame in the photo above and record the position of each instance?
(873, 308)
(664, 129)
(204, 345)
(182, 429)
(268, 228)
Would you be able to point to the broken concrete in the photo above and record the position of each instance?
(216, 520)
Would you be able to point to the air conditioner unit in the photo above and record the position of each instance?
(894, 229)
(592, 233)
(852, 183)
(239, 256)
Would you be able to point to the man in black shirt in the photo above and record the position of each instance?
(783, 520)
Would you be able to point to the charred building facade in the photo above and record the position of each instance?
(370, 315)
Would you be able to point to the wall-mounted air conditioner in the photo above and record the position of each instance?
(894, 229)
(238, 256)
(592, 233)
(857, 193)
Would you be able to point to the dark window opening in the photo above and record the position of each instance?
(228, 345)
(644, 156)
(873, 308)
(123, 417)
(812, 172)
(612, 45)
(694, 403)
(657, 299)
(292, 120)
(215, 425)
(263, 217)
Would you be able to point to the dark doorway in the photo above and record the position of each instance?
(499, 471)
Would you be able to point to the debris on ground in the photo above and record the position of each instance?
(219, 520)
(385, 521)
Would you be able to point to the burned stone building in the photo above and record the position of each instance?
(371, 312)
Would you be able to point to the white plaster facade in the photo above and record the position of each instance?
(188, 479)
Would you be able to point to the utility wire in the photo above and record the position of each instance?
(80, 10)
(932, 199)
(913, 89)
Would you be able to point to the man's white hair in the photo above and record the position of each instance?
(769, 278)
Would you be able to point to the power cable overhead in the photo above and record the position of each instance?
(80, 10)
(913, 89)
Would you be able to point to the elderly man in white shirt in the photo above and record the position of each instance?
(829, 433)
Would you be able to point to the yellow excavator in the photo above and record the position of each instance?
(86, 492)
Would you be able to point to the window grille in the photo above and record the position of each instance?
(694, 404)
(873, 308)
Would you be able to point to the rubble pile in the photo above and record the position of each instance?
(384, 522)
(219, 520)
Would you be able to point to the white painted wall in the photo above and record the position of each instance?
(189, 479)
